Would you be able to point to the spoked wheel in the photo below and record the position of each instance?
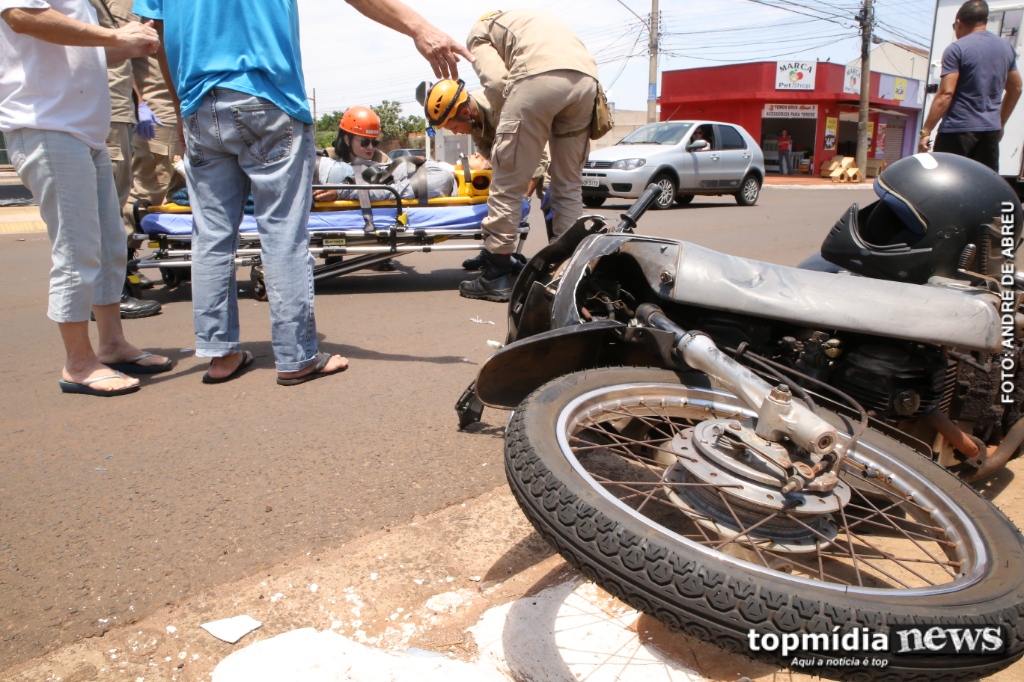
(632, 475)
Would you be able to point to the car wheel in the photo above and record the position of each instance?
(684, 199)
(749, 191)
(593, 202)
(668, 192)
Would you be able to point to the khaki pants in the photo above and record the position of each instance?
(548, 106)
(119, 144)
(153, 168)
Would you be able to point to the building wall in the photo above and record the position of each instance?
(897, 60)
(626, 121)
(737, 93)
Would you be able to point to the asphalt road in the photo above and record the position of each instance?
(110, 509)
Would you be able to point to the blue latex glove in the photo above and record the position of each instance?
(147, 119)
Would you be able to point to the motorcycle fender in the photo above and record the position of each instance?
(517, 370)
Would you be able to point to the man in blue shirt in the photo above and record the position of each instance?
(236, 68)
(976, 69)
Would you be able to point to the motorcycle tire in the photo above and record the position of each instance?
(650, 562)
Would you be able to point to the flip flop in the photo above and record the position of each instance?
(317, 373)
(133, 366)
(85, 388)
(247, 360)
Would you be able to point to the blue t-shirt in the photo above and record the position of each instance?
(983, 60)
(250, 46)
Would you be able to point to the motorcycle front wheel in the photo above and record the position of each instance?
(594, 461)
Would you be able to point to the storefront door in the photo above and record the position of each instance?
(800, 121)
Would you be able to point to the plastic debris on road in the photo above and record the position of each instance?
(231, 630)
(479, 321)
(310, 655)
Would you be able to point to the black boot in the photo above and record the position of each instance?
(134, 308)
(475, 263)
(494, 282)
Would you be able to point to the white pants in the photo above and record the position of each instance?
(74, 187)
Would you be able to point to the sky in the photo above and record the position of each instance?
(351, 60)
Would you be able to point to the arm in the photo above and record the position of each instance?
(947, 86)
(1013, 90)
(435, 45)
(48, 25)
(489, 66)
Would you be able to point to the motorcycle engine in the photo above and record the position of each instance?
(896, 383)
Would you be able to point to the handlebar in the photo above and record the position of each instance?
(653, 316)
(639, 207)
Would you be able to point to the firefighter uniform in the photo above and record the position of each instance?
(543, 80)
(114, 14)
(153, 160)
(484, 128)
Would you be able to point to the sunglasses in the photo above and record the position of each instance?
(368, 142)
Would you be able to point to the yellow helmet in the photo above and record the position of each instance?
(441, 104)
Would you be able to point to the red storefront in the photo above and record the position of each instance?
(806, 99)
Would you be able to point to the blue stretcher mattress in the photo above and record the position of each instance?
(454, 218)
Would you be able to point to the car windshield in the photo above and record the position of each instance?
(669, 132)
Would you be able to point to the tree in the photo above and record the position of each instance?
(394, 126)
(328, 123)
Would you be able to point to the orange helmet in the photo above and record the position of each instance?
(361, 121)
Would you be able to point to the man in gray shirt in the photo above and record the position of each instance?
(976, 69)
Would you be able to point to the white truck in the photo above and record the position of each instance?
(1004, 19)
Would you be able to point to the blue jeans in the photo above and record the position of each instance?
(74, 187)
(786, 162)
(237, 144)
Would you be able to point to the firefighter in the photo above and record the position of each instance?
(541, 80)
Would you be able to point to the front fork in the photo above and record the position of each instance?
(779, 417)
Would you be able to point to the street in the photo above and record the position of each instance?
(112, 509)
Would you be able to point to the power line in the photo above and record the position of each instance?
(787, 9)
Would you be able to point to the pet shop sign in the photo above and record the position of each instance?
(790, 75)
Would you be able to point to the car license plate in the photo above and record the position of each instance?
(591, 181)
(334, 242)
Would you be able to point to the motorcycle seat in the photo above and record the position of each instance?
(925, 313)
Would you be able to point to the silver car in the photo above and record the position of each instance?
(685, 158)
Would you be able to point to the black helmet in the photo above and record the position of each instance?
(936, 213)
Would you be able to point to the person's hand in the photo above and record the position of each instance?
(923, 145)
(137, 40)
(441, 51)
(325, 195)
(147, 119)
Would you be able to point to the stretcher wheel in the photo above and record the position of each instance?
(173, 277)
(259, 286)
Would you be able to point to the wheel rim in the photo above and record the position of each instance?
(668, 192)
(897, 532)
(750, 190)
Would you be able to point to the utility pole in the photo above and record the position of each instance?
(652, 82)
(313, 100)
(866, 19)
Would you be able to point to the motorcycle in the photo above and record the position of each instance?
(732, 446)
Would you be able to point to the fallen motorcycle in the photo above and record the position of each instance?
(736, 447)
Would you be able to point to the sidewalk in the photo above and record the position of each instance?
(20, 219)
(812, 182)
(469, 594)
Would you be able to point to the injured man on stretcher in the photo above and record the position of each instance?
(357, 161)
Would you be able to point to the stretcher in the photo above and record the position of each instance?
(344, 236)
